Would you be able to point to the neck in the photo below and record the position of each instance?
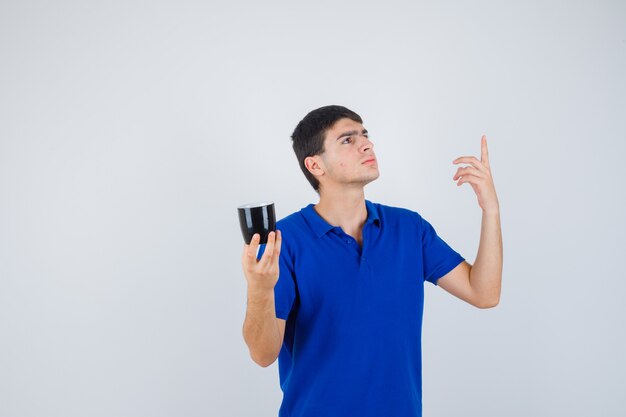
(344, 208)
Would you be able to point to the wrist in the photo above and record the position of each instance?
(494, 211)
(257, 292)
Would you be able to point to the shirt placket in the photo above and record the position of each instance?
(353, 247)
(364, 265)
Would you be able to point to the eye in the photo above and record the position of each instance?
(347, 140)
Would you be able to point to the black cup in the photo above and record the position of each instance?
(257, 218)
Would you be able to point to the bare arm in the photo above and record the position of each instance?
(486, 273)
(480, 284)
(263, 332)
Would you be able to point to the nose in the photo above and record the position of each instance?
(366, 144)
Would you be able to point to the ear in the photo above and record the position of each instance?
(315, 165)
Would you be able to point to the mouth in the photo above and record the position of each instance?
(369, 161)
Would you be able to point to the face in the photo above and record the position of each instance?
(348, 157)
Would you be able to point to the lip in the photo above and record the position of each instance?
(369, 161)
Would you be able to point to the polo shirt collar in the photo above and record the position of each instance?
(321, 227)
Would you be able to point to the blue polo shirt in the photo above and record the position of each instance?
(352, 343)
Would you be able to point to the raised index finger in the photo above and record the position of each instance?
(484, 153)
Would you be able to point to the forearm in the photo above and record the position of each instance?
(260, 328)
(486, 273)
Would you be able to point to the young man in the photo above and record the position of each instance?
(337, 294)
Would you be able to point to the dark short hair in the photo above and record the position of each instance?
(308, 136)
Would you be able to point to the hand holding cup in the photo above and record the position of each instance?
(262, 274)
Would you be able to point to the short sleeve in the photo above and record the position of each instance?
(285, 289)
(438, 257)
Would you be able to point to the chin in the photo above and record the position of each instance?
(371, 178)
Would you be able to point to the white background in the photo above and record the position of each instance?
(130, 131)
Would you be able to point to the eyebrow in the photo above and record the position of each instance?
(350, 133)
